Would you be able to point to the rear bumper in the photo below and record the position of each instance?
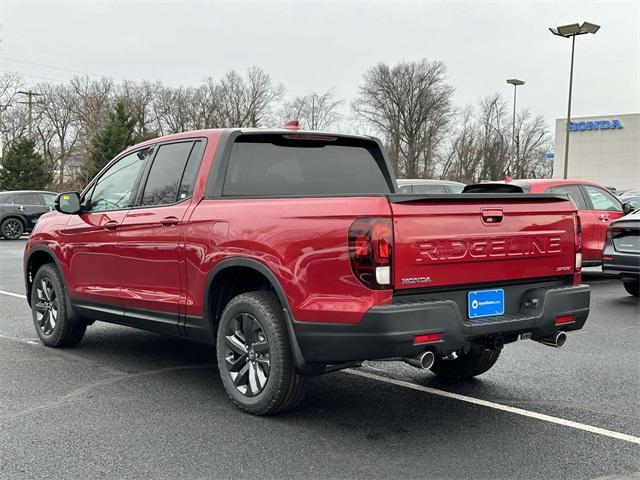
(622, 265)
(388, 331)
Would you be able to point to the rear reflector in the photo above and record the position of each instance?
(564, 319)
(427, 338)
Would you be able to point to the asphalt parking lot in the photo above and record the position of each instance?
(130, 404)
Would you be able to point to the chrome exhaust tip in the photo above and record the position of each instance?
(557, 340)
(422, 360)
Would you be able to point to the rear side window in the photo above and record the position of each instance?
(163, 182)
(7, 198)
(273, 165)
(190, 171)
(574, 193)
(27, 199)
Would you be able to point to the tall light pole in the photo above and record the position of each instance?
(29, 103)
(516, 83)
(571, 31)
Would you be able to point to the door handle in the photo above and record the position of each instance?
(169, 221)
(604, 217)
(492, 215)
(111, 225)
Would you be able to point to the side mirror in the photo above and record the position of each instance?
(627, 208)
(68, 203)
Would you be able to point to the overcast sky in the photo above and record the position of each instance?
(318, 45)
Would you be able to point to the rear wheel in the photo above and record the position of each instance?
(51, 311)
(254, 355)
(467, 365)
(632, 286)
(12, 229)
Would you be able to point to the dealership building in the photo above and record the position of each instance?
(604, 149)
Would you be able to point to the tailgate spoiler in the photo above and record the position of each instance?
(475, 197)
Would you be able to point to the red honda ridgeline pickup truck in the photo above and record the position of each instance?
(292, 253)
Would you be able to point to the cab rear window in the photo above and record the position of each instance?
(275, 165)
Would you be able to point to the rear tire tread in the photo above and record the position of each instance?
(632, 287)
(466, 366)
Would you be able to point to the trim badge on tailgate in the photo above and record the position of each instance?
(414, 280)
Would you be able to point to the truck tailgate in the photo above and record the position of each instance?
(446, 240)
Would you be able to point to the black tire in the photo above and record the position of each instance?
(51, 310)
(253, 341)
(12, 228)
(467, 365)
(632, 286)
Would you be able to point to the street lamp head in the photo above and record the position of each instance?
(587, 27)
(515, 82)
(573, 29)
(566, 30)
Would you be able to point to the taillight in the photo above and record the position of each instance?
(578, 241)
(370, 248)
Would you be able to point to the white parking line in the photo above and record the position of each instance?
(11, 294)
(497, 406)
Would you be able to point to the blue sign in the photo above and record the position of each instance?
(595, 125)
(485, 303)
(549, 155)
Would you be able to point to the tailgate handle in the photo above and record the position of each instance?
(492, 215)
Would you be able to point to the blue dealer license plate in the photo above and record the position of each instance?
(485, 303)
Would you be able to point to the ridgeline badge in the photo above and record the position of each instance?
(595, 125)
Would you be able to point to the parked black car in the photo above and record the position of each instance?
(20, 209)
(621, 255)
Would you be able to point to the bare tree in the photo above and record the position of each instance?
(139, 98)
(13, 120)
(314, 111)
(245, 101)
(58, 128)
(480, 147)
(410, 105)
(494, 140)
(464, 155)
(532, 138)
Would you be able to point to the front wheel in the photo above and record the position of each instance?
(632, 286)
(254, 355)
(467, 365)
(51, 311)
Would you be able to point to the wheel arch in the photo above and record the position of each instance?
(16, 216)
(220, 289)
(38, 256)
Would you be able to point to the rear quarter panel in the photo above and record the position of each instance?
(303, 241)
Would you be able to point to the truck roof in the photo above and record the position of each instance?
(266, 131)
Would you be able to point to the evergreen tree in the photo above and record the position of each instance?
(117, 134)
(23, 168)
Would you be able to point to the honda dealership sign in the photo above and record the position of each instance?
(595, 125)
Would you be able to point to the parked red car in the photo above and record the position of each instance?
(597, 208)
(293, 254)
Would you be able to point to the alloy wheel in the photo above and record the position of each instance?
(46, 306)
(12, 229)
(246, 352)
